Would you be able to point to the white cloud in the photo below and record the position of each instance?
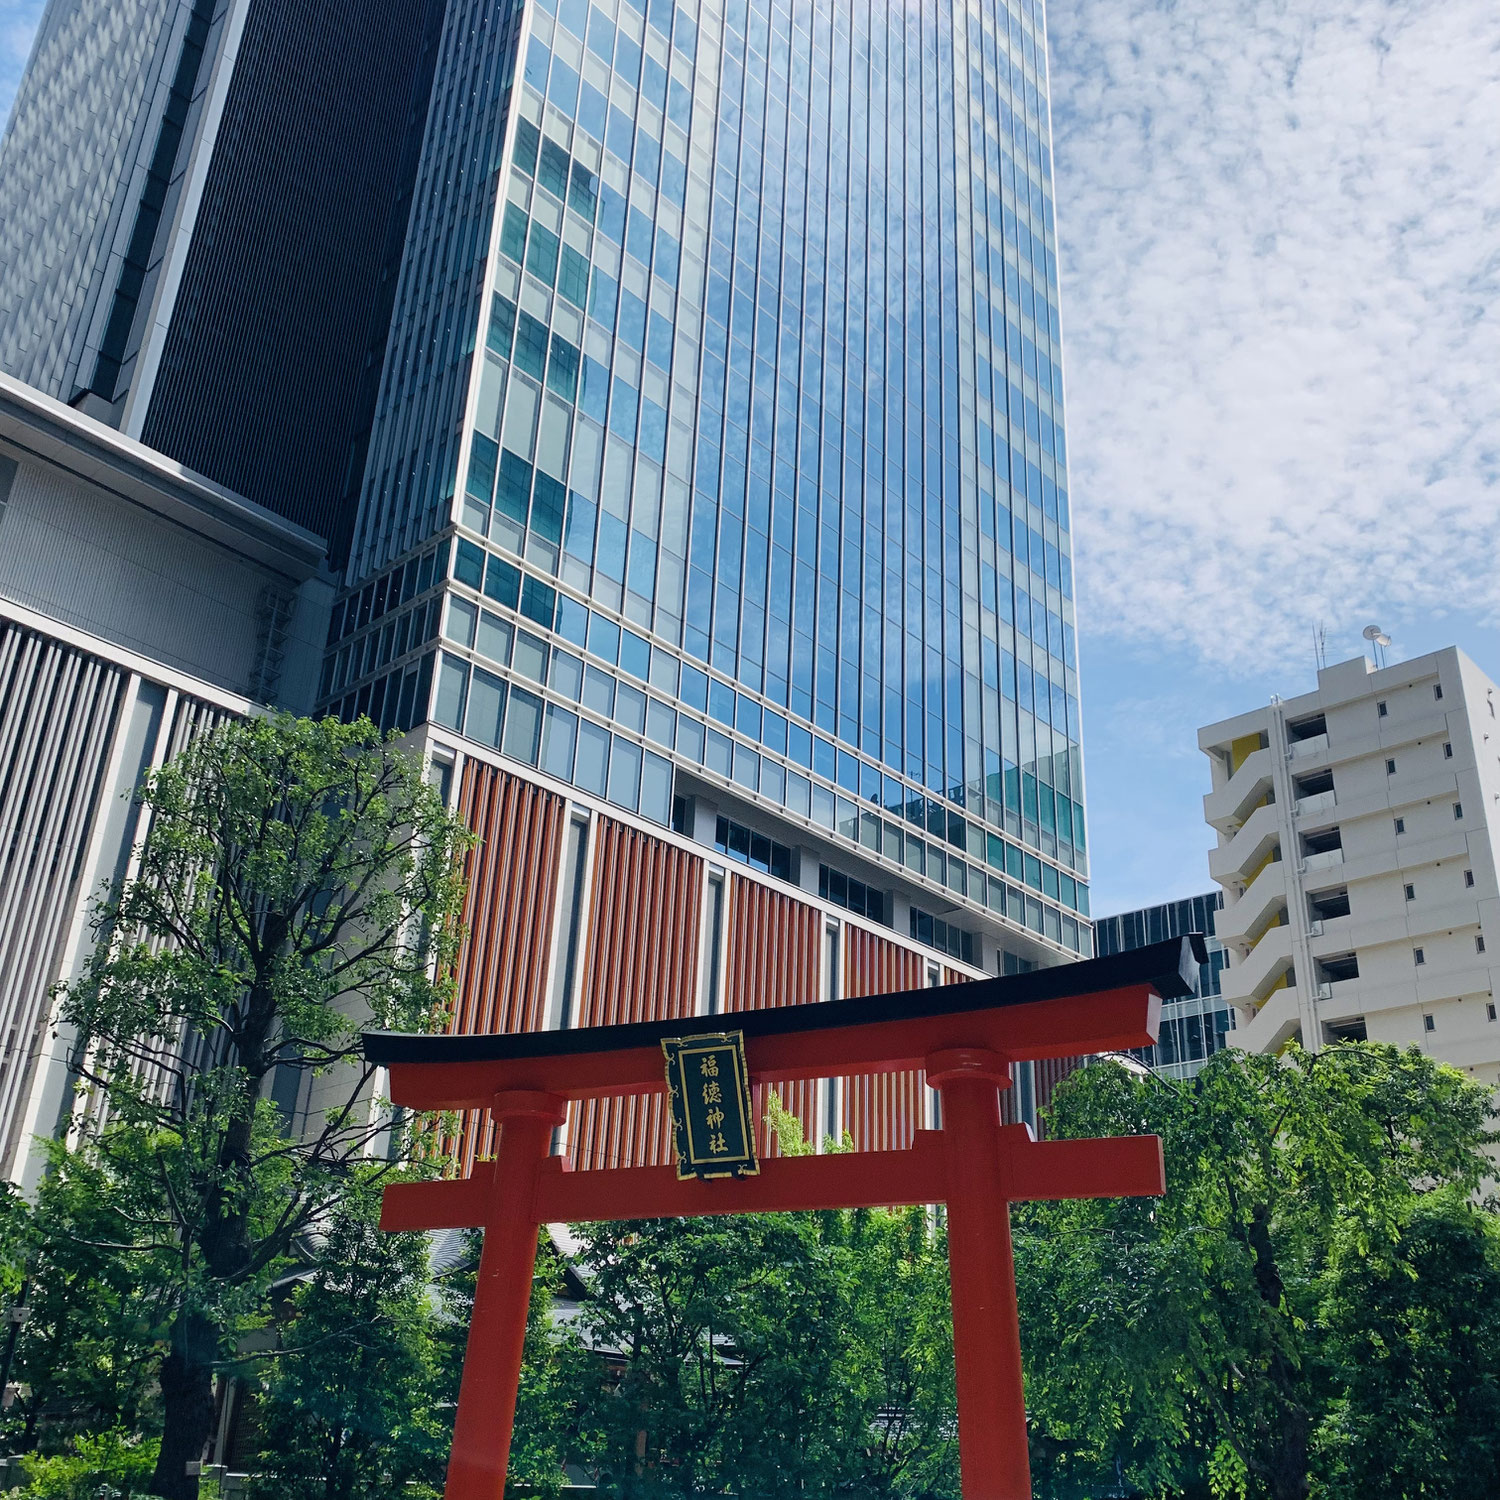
(1280, 225)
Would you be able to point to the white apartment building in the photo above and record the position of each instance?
(1357, 839)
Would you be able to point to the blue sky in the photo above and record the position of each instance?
(1280, 227)
(18, 20)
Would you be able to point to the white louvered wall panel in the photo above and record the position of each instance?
(59, 711)
(190, 721)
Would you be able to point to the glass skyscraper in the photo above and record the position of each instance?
(718, 454)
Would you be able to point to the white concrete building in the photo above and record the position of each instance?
(139, 606)
(1357, 840)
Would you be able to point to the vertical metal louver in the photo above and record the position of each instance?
(59, 710)
(165, 1070)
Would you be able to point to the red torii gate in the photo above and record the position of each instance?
(965, 1037)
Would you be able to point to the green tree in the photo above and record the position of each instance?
(16, 1239)
(900, 1350)
(110, 1465)
(1181, 1337)
(353, 1404)
(88, 1355)
(298, 878)
(777, 1354)
(732, 1344)
(1414, 1325)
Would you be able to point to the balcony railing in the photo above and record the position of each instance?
(1324, 861)
(1310, 746)
(1318, 802)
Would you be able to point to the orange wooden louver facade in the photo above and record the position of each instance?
(773, 948)
(881, 1112)
(772, 959)
(501, 978)
(641, 965)
(639, 959)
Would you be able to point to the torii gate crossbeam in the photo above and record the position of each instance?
(965, 1036)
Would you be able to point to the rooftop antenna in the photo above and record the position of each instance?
(1378, 640)
(1320, 645)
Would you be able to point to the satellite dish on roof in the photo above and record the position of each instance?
(1379, 639)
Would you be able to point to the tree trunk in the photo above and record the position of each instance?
(223, 1240)
(335, 1483)
(187, 1393)
(1287, 1466)
(1289, 1461)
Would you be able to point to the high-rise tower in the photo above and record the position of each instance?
(723, 405)
(712, 529)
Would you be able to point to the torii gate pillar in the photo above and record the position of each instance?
(986, 1323)
(502, 1298)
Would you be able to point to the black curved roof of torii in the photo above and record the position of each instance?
(1170, 968)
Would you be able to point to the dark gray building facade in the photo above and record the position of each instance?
(1194, 1028)
(202, 205)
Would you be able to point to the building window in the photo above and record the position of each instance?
(1479, 943)
(1325, 905)
(1489, 1011)
(1335, 969)
(1312, 785)
(1390, 768)
(1400, 825)
(853, 895)
(1437, 691)
(1325, 841)
(936, 933)
(753, 849)
(1448, 751)
(1419, 956)
(1458, 811)
(1411, 892)
(1469, 878)
(1428, 1024)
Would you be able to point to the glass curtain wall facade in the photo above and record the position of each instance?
(1192, 1029)
(721, 432)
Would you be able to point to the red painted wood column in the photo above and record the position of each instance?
(986, 1325)
(497, 1331)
